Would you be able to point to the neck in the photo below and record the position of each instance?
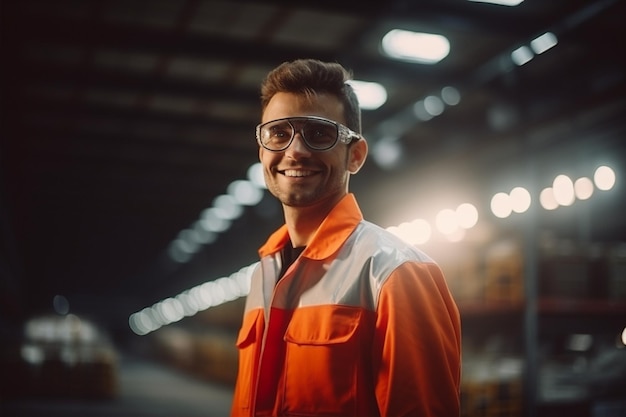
(302, 223)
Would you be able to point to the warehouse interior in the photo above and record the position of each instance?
(128, 126)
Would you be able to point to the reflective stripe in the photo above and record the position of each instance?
(351, 277)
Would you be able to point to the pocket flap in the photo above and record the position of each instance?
(323, 325)
(248, 332)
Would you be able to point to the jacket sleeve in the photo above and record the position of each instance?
(417, 352)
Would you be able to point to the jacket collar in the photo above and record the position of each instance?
(332, 233)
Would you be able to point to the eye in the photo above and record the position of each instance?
(277, 133)
(321, 132)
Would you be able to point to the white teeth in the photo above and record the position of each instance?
(297, 173)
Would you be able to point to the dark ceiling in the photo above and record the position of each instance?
(123, 120)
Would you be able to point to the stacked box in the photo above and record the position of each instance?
(464, 276)
(504, 272)
(573, 272)
(498, 398)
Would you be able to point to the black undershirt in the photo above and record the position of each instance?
(289, 255)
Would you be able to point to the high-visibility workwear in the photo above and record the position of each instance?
(361, 324)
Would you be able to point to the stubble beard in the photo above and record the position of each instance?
(297, 198)
(308, 195)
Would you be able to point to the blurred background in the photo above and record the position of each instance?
(131, 205)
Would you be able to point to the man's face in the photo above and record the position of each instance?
(298, 176)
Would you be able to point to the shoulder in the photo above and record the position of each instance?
(385, 244)
(383, 255)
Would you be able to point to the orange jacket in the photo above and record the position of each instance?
(360, 324)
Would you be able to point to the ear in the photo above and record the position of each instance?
(357, 156)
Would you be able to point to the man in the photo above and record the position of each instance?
(342, 319)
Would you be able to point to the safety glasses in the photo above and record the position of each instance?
(318, 133)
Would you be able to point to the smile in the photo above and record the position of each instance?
(297, 173)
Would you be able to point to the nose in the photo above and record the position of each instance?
(297, 146)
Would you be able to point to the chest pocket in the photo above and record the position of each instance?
(323, 325)
(325, 350)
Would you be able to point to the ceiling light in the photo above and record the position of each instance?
(544, 42)
(423, 48)
(500, 2)
(521, 55)
(371, 95)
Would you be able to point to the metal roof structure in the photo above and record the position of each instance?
(123, 120)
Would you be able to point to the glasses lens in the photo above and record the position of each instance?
(276, 135)
(319, 134)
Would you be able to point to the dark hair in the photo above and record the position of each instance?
(310, 76)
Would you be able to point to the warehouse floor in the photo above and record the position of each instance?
(146, 389)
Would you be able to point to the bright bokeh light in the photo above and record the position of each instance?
(203, 235)
(177, 254)
(450, 96)
(188, 239)
(423, 48)
(185, 245)
(245, 192)
(227, 207)
(521, 55)
(451, 223)
(544, 42)
(447, 222)
(218, 218)
(212, 221)
(387, 153)
(371, 95)
(189, 302)
(604, 178)
(416, 232)
(456, 236)
(419, 109)
(546, 199)
(501, 205)
(433, 105)
(624, 336)
(563, 189)
(583, 188)
(467, 215)
(170, 309)
(520, 199)
(255, 175)
(422, 230)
